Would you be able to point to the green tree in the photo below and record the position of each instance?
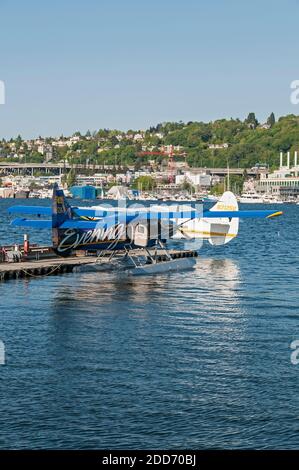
(144, 183)
(71, 178)
(251, 121)
(186, 185)
(217, 189)
(271, 120)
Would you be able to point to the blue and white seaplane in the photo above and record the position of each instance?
(136, 235)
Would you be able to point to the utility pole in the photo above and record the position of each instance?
(228, 177)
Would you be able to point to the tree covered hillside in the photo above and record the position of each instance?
(214, 144)
(248, 142)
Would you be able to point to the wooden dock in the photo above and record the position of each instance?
(42, 267)
(51, 266)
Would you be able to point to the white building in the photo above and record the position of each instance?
(59, 143)
(97, 179)
(138, 137)
(265, 126)
(197, 179)
(75, 138)
(46, 150)
(282, 181)
(218, 146)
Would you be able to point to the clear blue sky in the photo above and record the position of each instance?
(75, 65)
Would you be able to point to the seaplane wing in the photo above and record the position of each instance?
(151, 213)
(260, 214)
(147, 213)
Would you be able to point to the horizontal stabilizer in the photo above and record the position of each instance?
(32, 210)
(20, 222)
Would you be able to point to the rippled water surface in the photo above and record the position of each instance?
(199, 359)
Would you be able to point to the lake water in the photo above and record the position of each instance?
(198, 360)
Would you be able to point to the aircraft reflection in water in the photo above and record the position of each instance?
(202, 306)
(211, 277)
(113, 286)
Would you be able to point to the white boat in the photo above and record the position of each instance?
(45, 193)
(34, 194)
(145, 197)
(271, 199)
(251, 198)
(211, 198)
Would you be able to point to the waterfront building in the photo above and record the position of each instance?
(98, 179)
(283, 182)
(197, 179)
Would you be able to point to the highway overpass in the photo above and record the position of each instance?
(60, 168)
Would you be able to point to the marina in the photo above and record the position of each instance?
(260, 186)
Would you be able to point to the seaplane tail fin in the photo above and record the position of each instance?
(223, 229)
(61, 213)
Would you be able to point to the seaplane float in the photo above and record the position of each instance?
(136, 238)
